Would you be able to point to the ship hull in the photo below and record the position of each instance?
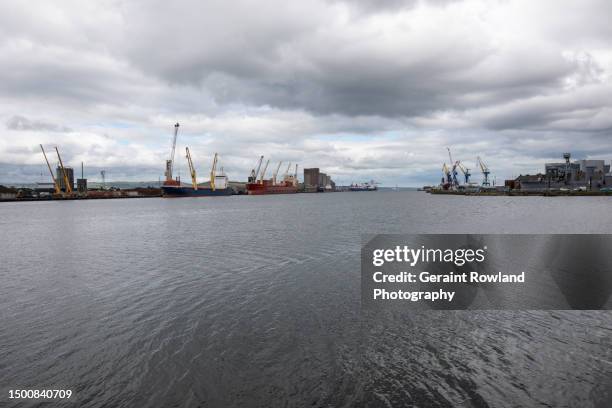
(174, 191)
(362, 189)
(262, 189)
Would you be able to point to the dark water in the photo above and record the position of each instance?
(254, 301)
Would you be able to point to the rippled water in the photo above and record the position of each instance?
(254, 301)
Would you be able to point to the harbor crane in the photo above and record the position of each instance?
(276, 172)
(67, 186)
(58, 190)
(465, 171)
(170, 161)
(263, 172)
(485, 171)
(213, 173)
(192, 170)
(255, 172)
(287, 171)
(454, 180)
(447, 174)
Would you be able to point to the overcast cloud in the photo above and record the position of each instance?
(362, 89)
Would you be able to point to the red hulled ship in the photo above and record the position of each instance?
(260, 186)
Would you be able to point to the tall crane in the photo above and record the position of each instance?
(276, 172)
(170, 161)
(66, 181)
(465, 171)
(213, 173)
(287, 171)
(255, 172)
(454, 180)
(56, 186)
(192, 170)
(485, 171)
(447, 173)
(263, 172)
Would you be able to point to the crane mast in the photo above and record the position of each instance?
(66, 181)
(192, 170)
(263, 172)
(287, 171)
(255, 172)
(213, 172)
(170, 161)
(58, 190)
(485, 171)
(276, 172)
(465, 171)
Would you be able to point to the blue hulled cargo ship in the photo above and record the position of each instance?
(173, 187)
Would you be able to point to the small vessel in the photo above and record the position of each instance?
(371, 186)
(259, 186)
(218, 185)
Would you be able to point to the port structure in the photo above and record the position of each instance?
(275, 175)
(485, 172)
(454, 181)
(255, 171)
(465, 171)
(447, 179)
(263, 172)
(450, 180)
(67, 185)
(287, 171)
(170, 161)
(213, 173)
(192, 170)
(58, 190)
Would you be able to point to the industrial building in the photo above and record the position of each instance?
(585, 174)
(60, 177)
(315, 181)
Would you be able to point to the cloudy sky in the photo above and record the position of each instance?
(362, 89)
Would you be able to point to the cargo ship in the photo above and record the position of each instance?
(181, 190)
(258, 185)
(172, 187)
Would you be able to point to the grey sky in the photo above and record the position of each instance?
(362, 89)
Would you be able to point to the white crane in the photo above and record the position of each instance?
(276, 172)
(263, 172)
(170, 161)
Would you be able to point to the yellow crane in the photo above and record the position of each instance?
(58, 190)
(194, 180)
(66, 181)
(213, 172)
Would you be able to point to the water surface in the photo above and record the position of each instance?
(254, 301)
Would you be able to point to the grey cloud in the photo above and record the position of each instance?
(22, 123)
(296, 80)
